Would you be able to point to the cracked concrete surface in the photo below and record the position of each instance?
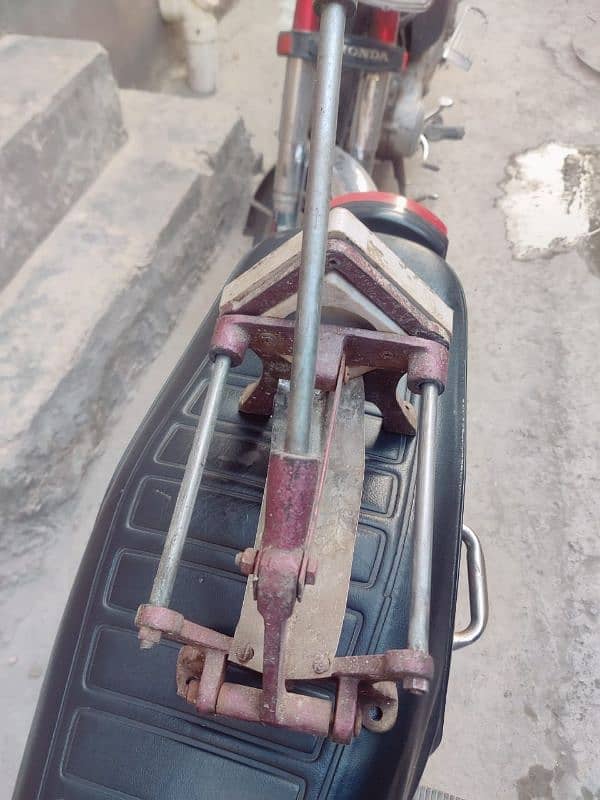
(523, 709)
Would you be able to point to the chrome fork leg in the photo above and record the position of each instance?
(418, 630)
(367, 123)
(164, 581)
(294, 126)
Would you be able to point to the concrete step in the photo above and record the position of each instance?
(60, 123)
(93, 304)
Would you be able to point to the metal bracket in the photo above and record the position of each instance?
(360, 53)
(362, 682)
(383, 358)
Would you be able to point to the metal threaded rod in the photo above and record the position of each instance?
(316, 225)
(418, 629)
(162, 588)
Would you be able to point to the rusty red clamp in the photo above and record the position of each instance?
(365, 693)
(313, 376)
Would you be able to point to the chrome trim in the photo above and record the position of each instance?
(349, 176)
(478, 592)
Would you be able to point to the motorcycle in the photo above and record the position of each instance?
(285, 530)
(389, 61)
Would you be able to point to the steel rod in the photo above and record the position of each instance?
(316, 222)
(162, 589)
(418, 629)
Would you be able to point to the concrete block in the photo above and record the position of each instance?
(93, 304)
(60, 123)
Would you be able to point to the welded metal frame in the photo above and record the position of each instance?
(322, 357)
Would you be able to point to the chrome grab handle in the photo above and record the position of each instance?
(478, 592)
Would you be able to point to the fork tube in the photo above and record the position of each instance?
(293, 143)
(373, 90)
(316, 225)
(294, 125)
(372, 95)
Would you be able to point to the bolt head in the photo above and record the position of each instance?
(418, 686)
(321, 664)
(246, 560)
(148, 637)
(245, 653)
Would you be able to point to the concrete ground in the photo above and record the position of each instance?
(523, 709)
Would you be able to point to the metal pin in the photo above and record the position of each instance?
(418, 630)
(162, 589)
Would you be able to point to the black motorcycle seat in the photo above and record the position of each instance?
(109, 724)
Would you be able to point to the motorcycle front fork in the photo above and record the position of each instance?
(294, 127)
(292, 159)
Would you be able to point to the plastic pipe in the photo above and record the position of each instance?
(198, 19)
